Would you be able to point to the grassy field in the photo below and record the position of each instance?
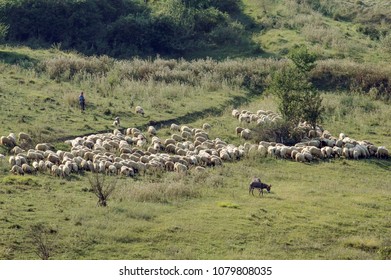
(331, 209)
(335, 209)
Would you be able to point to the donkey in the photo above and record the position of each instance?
(260, 186)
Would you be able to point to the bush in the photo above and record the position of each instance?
(280, 132)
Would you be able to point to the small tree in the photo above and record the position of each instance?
(298, 99)
(102, 188)
(303, 59)
(288, 85)
(42, 238)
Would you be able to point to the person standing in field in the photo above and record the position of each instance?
(82, 101)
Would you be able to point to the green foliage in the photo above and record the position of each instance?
(117, 28)
(3, 32)
(298, 99)
(287, 85)
(303, 59)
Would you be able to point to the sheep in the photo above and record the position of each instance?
(202, 134)
(12, 137)
(16, 150)
(170, 148)
(175, 127)
(299, 157)
(42, 147)
(126, 171)
(21, 159)
(199, 169)
(382, 152)
(294, 153)
(235, 113)
(169, 165)
(27, 168)
(54, 158)
(65, 170)
(169, 141)
(42, 166)
(316, 152)
(17, 170)
(337, 151)
(327, 152)
(345, 152)
(116, 122)
(206, 126)
(177, 137)
(111, 170)
(216, 161)
(34, 155)
(24, 137)
(246, 134)
(179, 167)
(238, 130)
(186, 135)
(262, 150)
(151, 130)
(56, 171)
(140, 110)
(244, 118)
(7, 142)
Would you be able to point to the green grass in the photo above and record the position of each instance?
(278, 25)
(334, 209)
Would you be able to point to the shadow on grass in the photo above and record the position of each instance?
(23, 60)
(380, 163)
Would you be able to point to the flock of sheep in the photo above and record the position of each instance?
(133, 151)
(126, 153)
(316, 143)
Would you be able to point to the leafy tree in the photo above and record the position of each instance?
(298, 99)
(303, 59)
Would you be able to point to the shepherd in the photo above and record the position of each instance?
(82, 102)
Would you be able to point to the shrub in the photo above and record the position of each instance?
(42, 237)
(101, 187)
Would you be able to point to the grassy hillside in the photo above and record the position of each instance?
(354, 29)
(327, 209)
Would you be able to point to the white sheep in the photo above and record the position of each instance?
(382, 152)
(126, 171)
(116, 121)
(206, 126)
(7, 142)
(299, 157)
(316, 152)
(140, 110)
(16, 150)
(24, 137)
(186, 134)
(235, 113)
(177, 137)
(17, 170)
(175, 127)
(151, 130)
(246, 134)
(27, 168)
(42, 147)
